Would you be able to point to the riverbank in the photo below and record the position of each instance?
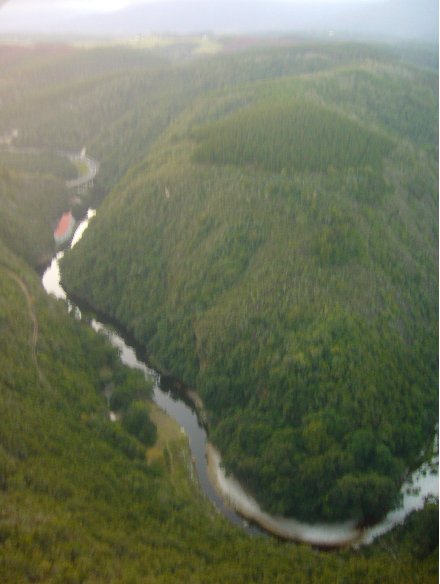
(415, 490)
(172, 451)
(226, 494)
(320, 535)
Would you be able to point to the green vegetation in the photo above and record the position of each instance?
(45, 163)
(30, 204)
(418, 536)
(277, 251)
(291, 137)
(135, 387)
(300, 305)
(80, 502)
(137, 422)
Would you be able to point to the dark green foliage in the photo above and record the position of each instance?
(30, 205)
(300, 360)
(425, 529)
(338, 241)
(291, 136)
(78, 500)
(294, 287)
(418, 536)
(118, 438)
(402, 108)
(369, 496)
(137, 422)
(133, 387)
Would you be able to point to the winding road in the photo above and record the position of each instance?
(92, 170)
(92, 164)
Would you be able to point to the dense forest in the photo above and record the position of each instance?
(277, 250)
(297, 298)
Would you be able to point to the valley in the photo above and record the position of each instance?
(267, 234)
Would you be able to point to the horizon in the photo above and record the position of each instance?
(354, 19)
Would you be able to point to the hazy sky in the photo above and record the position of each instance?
(409, 19)
(16, 7)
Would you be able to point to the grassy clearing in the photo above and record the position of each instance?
(82, 167)
(172, 451)
(168, 431)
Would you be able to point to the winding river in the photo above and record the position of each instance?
(226, 493)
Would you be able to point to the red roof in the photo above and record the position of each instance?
(63, 224)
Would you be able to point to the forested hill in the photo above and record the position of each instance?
(277, 250)
(82, 498)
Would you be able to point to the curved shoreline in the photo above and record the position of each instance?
(330, 536)
(232, 498)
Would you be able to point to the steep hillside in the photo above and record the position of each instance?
(81, 498)
(117, 101)
(30, 204)
(277, 250)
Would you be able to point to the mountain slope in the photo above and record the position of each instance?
(277, 250)
(79, 498)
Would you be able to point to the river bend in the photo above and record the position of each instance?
(225, 492)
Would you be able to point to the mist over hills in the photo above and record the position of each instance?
(395, 19)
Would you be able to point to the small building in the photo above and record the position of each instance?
(65, 228)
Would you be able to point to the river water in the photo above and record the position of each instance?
(225, 492)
